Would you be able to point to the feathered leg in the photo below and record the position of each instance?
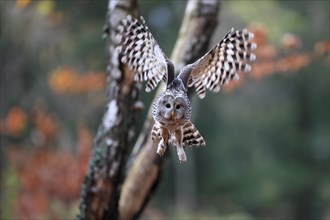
(179, 138)
(162, 146)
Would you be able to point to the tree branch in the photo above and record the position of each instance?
(143, 175)
(100, 190)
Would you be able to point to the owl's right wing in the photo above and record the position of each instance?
(222, 63)
(140, 51)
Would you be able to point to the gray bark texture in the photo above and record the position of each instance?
(120, 181)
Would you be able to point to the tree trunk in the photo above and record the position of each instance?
(100, 189)
(117, 186)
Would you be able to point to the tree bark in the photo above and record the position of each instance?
(101, 186)
(117, 186)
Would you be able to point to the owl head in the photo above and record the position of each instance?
(172, 105)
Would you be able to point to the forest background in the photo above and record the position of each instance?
(267, 135)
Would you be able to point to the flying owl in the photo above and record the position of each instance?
(172, 110)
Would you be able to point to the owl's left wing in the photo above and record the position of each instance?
(140, 51)
(222, 64)
(191, 136)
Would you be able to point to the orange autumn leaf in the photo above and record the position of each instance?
(322, 47)
(290, 41)
(15, 122)
(262, 69)
(260, 34)
(46, 124)
(26, 209)
(266, 52)
(49, 175)
(67, 80)
(63, 80)
(293, 63)
(21, 4)
(91, 82)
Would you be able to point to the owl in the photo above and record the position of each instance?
(172, 110)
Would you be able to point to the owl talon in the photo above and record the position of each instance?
(160, 151)
(161, 148)
(182, 155)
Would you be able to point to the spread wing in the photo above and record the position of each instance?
(140, 51)
(222, 64)
(191, 135)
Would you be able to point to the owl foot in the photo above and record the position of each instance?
(182, 155)
(161, 148)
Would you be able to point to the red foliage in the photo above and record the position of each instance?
(290, 41)
(46, 174)
(63, 80)
(14, 123)
(260, 34)
(91, 82)
(21, 4)
(322, 47)
(67, 80)
(45, 124)
(292, 63)
(33, 205)
(269, 59)
(262, 69)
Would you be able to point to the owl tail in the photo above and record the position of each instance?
(191, 136)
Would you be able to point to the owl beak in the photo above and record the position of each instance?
(173, 114)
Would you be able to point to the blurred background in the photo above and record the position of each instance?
(267, 153)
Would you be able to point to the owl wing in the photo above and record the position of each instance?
(191, 135)
(140, 51)
(223, 62)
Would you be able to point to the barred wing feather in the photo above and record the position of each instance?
(140, 51)
(222, 64)
(191, 136)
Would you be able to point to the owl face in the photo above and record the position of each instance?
(172, 108)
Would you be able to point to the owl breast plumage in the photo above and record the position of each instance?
(171, 110)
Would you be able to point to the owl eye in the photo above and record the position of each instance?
(168, 105)
(177, 106)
